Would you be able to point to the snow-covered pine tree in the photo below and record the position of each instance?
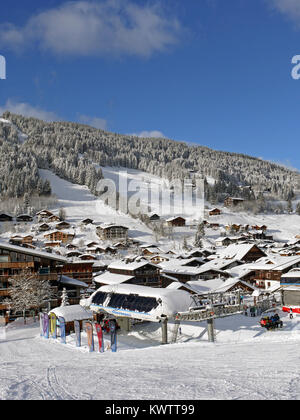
(64, 298)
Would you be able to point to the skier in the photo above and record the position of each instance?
(291, 313)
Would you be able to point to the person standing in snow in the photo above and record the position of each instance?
(291, 313)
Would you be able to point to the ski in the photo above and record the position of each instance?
(113, 335)
(100, 337)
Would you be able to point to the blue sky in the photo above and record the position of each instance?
(212, 72)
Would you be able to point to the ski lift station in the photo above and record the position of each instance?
(125, 302)
(140, 302)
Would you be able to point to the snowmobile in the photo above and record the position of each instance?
(271, 323)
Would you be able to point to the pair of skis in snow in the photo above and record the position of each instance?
(99, 330)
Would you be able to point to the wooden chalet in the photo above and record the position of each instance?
(71, 246)
(111, 232)
(270, 271)
(233, 201)
(5, 218)
(44, 214)
(52, 244)
(73, 253)
(87, 221)
(54, 218)
(213, 226)
(62, 225)
(21, 240)
(234, 227)
(80, 270)
(43, 227)
(14, 259)
(185, 274)
(156, 259)
(233, 285)
(144, 272)
(87, 257)
(214, 212)
(260, 234)
(223, 241)
(58, 236)
(154, 217)
(24, 218)
(242, 252)
(176, 221)
(92, 244)
(263, 227)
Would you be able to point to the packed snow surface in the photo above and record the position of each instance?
(245, 362)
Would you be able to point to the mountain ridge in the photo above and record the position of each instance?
(71, 150)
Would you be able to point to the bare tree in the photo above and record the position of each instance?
(28, 291)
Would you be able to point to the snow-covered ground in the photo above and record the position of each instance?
(80, 203)
(245, 362)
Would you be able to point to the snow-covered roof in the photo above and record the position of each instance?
(293, 273)
(72, 313)
(228, 284)
(236, 251)
(36, 253)
(73, 282)
(121, 265)
(111, 225)
(173, 301)
(111, 278)
(174, 218)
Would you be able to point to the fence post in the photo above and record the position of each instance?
(164, 331)
(211, 330)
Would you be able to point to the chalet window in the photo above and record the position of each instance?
(14, 256)
(4, 258)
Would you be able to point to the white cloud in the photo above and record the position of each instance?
(27, 110)
(154, 133)
(93, 121)
(85, 28)
(289, 8)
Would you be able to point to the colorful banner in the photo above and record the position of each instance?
(41, 324)
(46, 325)
(113, 335)
(100, 337)
(62, 326)
(53, 325)
(90, 336)
(78, 333)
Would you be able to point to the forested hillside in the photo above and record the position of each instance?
(71, 151)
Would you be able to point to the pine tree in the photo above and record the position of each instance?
(199, 235)
(64, 298)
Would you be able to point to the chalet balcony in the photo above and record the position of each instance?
(5, 278)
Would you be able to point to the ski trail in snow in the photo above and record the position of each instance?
(59, 392)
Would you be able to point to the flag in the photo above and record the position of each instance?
(46, 325)
(62, 325)
(113, 335)
(100, 337)
(53, 325)
(90, 336)
(78, 333)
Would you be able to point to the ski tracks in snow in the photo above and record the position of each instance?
(58, 391)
